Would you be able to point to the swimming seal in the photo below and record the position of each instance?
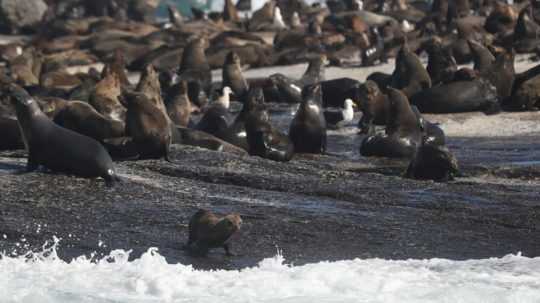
(308, 127)
(57, 148)
(207, 231)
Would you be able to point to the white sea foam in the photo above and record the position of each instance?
(43, 277)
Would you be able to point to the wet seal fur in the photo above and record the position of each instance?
(57, 148)
(308, 127)
(403, 131)
(207, 231)
(433, 162)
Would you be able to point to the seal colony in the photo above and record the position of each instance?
(76, 123)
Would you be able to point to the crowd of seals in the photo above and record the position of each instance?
(76, 122)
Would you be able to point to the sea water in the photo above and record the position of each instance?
(43, 277)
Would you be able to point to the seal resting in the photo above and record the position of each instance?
(57, 148)
(458, 97)
(403, 131)
(207, 231)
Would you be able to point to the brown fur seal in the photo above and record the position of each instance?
(232, 76)
(460, 96)
(502, 74)
(207, 231)
(308, 127)
(263, 139)
(195, 67)
(216, 119)
(374, 105)
(482, 57)
(149, 127)
(105, 98)
(202, 139)
(55, 147)
(229, 12)
(179, 106)
(433, 162)
(441, 65)
(403, 131)
(409, 75)
(81, 117)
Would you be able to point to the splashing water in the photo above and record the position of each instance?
(43, 277)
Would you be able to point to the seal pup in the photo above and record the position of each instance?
(432, 162)
(403, 131)
(409, 74)
(57, 148)
(179, 107)
(216, 119)
(336, 118)
(233, 77)
(374, 105)
(308, 127)
(206, 231)
(148, 126)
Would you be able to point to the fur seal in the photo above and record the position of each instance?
(11, 134)
(232, 76)
(287, 90)
(335, 118)
(403, 131)
(433, 134)
(441, 65)
(207, 231)
(179, 106)
(229, 12)
(263, 139)
(314, 73)
(336, 91)
(149, 127)
(374, 105)
(409, 75)
(105, 97)
(216, 119)
(82, 118)
(202, 139)
(482, 57)
(195, 67)
(57, 148)
(433, 162)
(456, 97)
(308, 127)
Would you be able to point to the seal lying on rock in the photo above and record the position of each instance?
(207, 231)
(57, 148)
